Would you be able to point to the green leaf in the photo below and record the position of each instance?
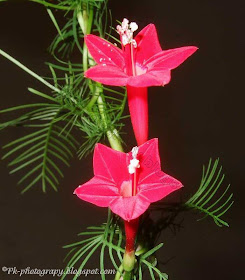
(54, 22)
(27, 70)
(102, 256)
(42, 94)
(209, 198)
(38, 153)
(152, 251)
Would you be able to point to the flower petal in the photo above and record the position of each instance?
(98, 191)
(108, 75)
(156, 77)
(145, 80)
(163, 75)
(147, 43)
(170, 59)
(129, 208)
(161, 185)
(111, 164)
(104, 52)
(148, 156)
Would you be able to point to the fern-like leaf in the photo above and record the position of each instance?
(38, 153)
(209, 198)
(109, 237)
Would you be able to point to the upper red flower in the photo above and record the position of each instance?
(127, 182)
(140, 63)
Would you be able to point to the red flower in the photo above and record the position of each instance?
(140, 64)
(127, 182)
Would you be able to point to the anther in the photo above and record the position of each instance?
(134, 163)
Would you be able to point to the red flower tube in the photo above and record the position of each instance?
(140, 63)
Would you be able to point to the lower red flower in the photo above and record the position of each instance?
(127, 183)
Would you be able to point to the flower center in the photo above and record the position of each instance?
(126, 31)
(129, 188)
(126, 189)
(132, 169)
(140, 69)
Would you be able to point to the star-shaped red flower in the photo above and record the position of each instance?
(152, 64)
(112, 183)
(140, 63)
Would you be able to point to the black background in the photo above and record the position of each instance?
(199, 115)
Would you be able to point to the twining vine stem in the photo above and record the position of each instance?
(85, 19)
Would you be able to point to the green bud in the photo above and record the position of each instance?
(129, 261)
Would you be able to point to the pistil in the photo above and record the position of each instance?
(132, 59)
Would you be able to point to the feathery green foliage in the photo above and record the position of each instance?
(209, 198)
(102, 237)
(42, 148)
(73, 103)
(109, 239)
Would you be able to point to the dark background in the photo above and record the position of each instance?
(199, 115)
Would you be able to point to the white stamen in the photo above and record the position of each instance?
(125, 40)
(134, 43)
(134, 163)
(135, 151)
(125, 23)
(126, 31)
(133, 26)
(119, 28)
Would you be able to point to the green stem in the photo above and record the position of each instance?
(27, 70)
(127, 275)
(85, 20)
(114, 140)
(96, 93)
(85, 57)
(112, 136)
(119, 273)
(85, 16)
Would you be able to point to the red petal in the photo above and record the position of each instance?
(147, 43)
(98, 191)
(153, 183)
(129, 208)
(162, 75)
(148, 156)
(103, 51)
(108, 75)
(170, 59)
(158, 77)
(159, 185)
(111, 164)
